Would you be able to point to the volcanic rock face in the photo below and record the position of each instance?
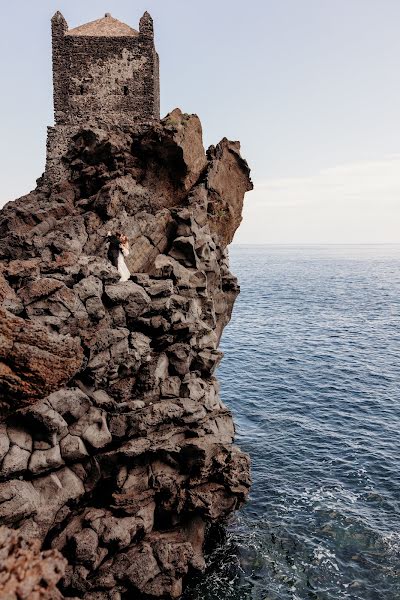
(25, 572)
(115, 448)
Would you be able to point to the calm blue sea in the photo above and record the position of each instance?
(312, 375)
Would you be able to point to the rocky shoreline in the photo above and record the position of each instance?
(115, 448)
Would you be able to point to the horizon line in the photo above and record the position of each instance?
(315, 244)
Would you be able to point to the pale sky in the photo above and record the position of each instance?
(311, 88)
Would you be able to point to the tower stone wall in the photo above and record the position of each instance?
(105, 74)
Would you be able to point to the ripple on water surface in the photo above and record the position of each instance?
(312, 374)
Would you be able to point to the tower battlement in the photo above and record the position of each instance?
(105, 72)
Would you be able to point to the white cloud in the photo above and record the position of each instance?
(363, 180)
(355, 202)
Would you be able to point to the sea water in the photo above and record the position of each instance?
(312, 375)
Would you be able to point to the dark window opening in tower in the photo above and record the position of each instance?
(126, 90)
(81, 90)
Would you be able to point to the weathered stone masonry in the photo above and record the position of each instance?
(105, 73)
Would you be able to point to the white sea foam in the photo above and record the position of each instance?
(392, 541)
(325, 557)
(331, 496)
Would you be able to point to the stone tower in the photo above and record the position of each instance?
(105, 74)
(105, 71)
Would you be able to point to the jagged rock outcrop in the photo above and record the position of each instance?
(115, 447)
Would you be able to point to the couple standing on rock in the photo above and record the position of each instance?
(118, 248)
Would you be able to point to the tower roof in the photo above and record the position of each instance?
(105, 27)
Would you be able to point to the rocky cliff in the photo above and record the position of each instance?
(115, 447)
